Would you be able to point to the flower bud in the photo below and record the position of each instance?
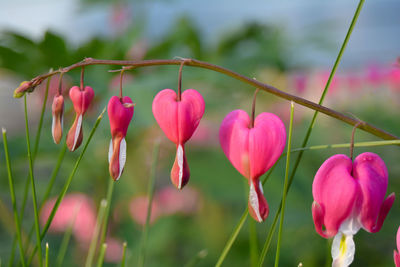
(58, 118)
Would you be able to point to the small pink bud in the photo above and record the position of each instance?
(179, 120)
(22, 89)
(120, 113)
(81, 101)
(58, 118)
(252, 151)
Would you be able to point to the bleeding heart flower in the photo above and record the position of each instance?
(58, 118)
(252, 151)
(120, 113)
(81, 100)
(349, 196)
(396, 255)
(179, 120)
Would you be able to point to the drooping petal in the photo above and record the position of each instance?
(180, 172)
(336, 191)
(75, 134)
(57, 118)
(258, 206)
(371, 173)
(318, 218)
(343, 250)
(117, 157)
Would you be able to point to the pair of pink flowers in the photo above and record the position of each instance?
(81, 99)
(252, 150)
(349, 196)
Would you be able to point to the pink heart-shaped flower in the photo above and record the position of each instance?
(252, 151)
(179, 120)
(81, 101)
(120, 113)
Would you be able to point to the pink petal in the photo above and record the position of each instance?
(180, 172)
(57, 113)
(398, 238)
(81, 99)
(258, 206)
(371, 173)
(75, 135)
(119, 115)
(396, 258)
(336, 192)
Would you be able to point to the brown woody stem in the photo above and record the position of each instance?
(82, 77)
(201, 64)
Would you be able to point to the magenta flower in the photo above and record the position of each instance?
(252, 151)
(396, 255)
(120, 113)
(179, 120)
(81, 100)
(58, 118)
(349, 196)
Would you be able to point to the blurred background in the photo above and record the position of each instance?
(290, 45)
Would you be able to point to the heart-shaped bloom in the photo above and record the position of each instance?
(120, 113)
(252, 151)
(57, 109)
(349, 196)
(81, 100)
(396, 255)
(179, 120)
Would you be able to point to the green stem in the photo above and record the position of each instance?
(67, 183)
(253, 243)
(33, 187)
(232, 238)
(13, 199)
(104, 226)
(35, 149)
(240, 224)
(49, 186)
(124, 254)
(278, 247)
(311, 126)
(102, 254)
(150, 193)
(93, 242)
(47, 255)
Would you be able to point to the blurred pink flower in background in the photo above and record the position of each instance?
(121, 17)
(322, 78)
(374, 75)
(138, 209)
(114, 250)
(299, 82)
(138, 50)
(393, 78)
(167, 201)
(75, 206)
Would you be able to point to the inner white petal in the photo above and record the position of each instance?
(53, 126)
(77, 131)
(343, 250)
(122, 157)
(350, 226)
(110, 151)
(179, 154)
(261, 187)
(253, 199)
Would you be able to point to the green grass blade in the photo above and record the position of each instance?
(104, 226)
(13, 199)
(93, 242)
(102, 254)
(46, 261)
(311, 126)
(253, 243)
(123, 254)
(33, 187)
(68, 182)
(197, 258)
(150, 193)
(278, 247)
